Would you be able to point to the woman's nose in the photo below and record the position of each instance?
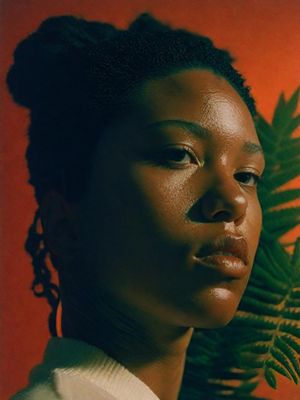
(224, 201)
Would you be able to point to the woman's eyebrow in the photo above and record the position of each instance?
(192, 127)
(251, 148)
(202, 132)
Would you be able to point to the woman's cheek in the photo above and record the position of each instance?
(166, 194)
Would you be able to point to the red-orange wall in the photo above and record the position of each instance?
(264, 35)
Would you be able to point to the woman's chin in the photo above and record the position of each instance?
(216, 310)
(216, 322)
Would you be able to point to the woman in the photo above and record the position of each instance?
(145, 160)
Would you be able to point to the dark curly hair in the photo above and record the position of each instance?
(72, 74)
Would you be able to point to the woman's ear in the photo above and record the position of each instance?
(59, 227)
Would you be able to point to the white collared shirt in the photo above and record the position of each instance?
(74, 370)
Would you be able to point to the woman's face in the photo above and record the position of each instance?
(171, 221)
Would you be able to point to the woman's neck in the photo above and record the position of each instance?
(153, 351)
(163, 373)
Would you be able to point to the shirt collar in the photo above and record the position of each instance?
(69, 358)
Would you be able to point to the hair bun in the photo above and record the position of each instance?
(52, 54)
(146, 23)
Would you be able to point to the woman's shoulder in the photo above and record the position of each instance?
(64, 387)
(75, 370)
(65, 373)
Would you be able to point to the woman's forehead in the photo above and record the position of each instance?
(198, 96)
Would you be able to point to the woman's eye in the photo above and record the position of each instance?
(248, 178)
(176, 157)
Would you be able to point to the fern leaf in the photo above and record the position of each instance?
(279, 352)
(281, 219)
(284, 112)
(284, 362)
(289, 351)
(281, 177)
(292, 126)
(270, 377)
(295, 294)
(291, 329)
(285, 163)
(293, 102)
(258, 307)
(291, 314)
(279, 113)
(283, 150)
(292, 343)
(260, 294)
(264, 128)
(277, 233)
(254, 321)
(257, 348)
(262, 275)
(278, 368)
(293, 303)
(279, 198)
(296, 256)
(275, 261)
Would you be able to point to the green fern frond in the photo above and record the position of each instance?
(274, 261)
(265, 129)
(292, 126)
(291, 314)
(292, 343)
(291, 104)
(260, 276)
(254, 321)
(259, 293)
(295, 294)
(283, 165)
(284, 112)
(286, 145)
(293, 303)
(283, 176)
(288, 150)
(274, 219)
(281, 221)
(270, 376)
(292, 329)
(296, 258)
(279, 113)
(286, 349)
(252, 305)
(285, 363)
(283, 230)
(286, 162)
(272, 364)
(279, 198)
(282, 349)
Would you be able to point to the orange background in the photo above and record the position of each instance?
(264, 35)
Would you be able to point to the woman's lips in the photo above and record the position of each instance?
(227, 266)
(226, 255)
